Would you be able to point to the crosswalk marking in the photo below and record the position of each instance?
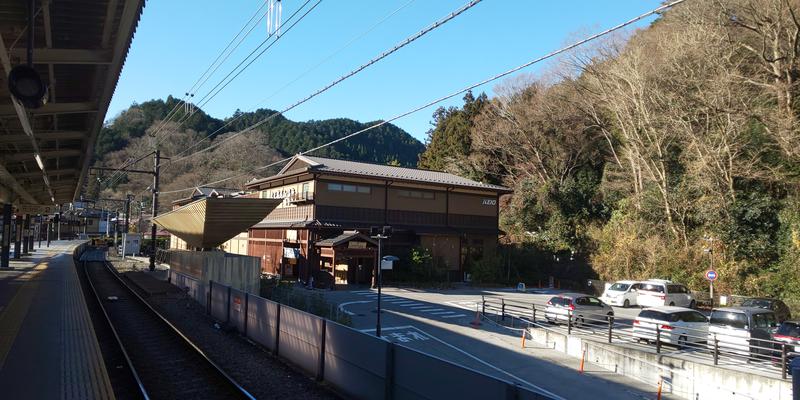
(453, 316)
(433, 310)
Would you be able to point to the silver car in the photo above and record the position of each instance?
(583, 309)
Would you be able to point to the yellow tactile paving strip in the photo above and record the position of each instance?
(83, 371)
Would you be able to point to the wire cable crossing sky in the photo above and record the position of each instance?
(453, 94)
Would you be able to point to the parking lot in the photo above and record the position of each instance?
(439, 323)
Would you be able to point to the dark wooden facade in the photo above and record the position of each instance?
(452, 220)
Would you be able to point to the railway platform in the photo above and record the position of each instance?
(48, 346)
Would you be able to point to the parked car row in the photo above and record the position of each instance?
(650, 293)
(745, 330)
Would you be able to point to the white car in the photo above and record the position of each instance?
(676, 325)
(654, 293)
(621, 294)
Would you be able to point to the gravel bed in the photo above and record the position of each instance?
(263, 375)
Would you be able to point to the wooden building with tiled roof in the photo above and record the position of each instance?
(453, 217)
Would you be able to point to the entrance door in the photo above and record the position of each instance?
(360, 270)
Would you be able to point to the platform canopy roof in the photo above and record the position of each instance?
(211, 221)
(79, 49)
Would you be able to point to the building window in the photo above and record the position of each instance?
(340, 187)
(417, 194)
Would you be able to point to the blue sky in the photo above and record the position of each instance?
(177, 39)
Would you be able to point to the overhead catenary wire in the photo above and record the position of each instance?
(340, 49)
(337, 81)
(224, 82)
(198, 84)
(453, 94)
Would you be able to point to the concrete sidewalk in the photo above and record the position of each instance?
(48, 347)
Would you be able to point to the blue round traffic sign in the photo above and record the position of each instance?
(711, 275)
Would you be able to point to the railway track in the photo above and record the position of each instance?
(165, 363)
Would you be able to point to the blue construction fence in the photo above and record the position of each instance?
(355, 364)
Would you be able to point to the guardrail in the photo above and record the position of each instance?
(355, 364)
(770, 353)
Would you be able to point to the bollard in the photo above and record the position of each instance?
(477, 321)
(523, 337)
(610, 327)
(583, 359)
(658, 394)
(658, 340)
(716, 350)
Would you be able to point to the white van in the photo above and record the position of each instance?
(657, 292)
(621, 294)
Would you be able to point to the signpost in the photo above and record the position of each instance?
(711, 275)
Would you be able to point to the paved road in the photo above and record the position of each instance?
(438, 323)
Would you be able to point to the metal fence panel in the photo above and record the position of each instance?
(300, 339)
(355, 362)
(262, 321)
(421, 376)
(219, 302)
(237, 309)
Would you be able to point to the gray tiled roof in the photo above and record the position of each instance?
(390, 172)
(343, 238)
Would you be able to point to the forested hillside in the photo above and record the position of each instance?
(653, 154)
(136, 130)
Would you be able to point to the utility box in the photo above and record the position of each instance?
(132, 244)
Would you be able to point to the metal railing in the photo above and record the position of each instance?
(770, 355)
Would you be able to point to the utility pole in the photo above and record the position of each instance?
(156, 171)
(128, 198)
(379, 234)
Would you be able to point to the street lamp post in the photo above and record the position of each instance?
(379, 233)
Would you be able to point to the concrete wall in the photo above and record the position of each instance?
(240, 272)
(357, 365)
(681, 378)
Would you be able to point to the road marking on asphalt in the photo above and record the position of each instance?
(361, 291)
(466, 305)
(393, 299)
(411, 304)
(410, 328)
(342, 309)
(454, 316)
(403, 302)
(433, 310)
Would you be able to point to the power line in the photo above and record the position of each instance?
(336, 52)
(217, 89)
(195, 86)
(451, 95)
(364, 66)
(370, 29)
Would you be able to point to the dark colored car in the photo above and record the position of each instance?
(780, 308)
